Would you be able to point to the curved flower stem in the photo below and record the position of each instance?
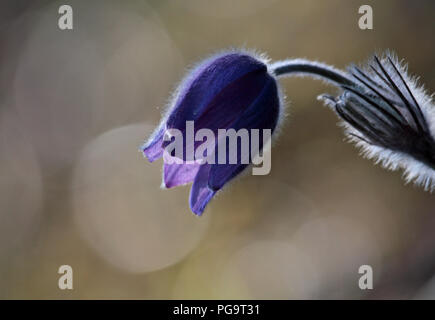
(302, 67)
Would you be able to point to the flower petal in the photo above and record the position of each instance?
(200, 194)
(231, 102)
(262, 114)
(224, 108)
(179, 174)
(153, 149)
(207, 81)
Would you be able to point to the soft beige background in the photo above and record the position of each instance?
(75, 106)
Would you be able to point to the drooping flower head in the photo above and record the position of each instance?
(390, 118)
(232, 90)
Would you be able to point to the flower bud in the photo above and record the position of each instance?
(232, 90)
(391, 118)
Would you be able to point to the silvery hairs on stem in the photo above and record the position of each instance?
(385, 113)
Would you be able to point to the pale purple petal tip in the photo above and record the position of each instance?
(153, 150)
(179, 174)
(200, 194)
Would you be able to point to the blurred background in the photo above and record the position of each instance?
(75, 106)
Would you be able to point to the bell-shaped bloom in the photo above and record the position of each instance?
(387, 114)
(232, 90)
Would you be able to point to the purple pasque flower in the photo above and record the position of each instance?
(231, 90)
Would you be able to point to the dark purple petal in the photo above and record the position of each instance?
(228, 105)
(262, 114)
(207, 81)
(232, 101)
(153, 149)
(179, 174)
(200, 194)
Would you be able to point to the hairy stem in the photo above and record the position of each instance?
(302, 67)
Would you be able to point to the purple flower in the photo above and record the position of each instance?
(233, 90)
